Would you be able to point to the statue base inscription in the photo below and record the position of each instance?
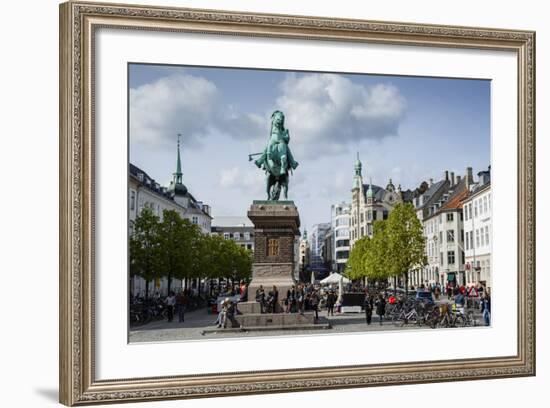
(276, 226)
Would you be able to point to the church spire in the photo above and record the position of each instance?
(370, 193)
(178, 174)
(358, 166)
(358, 178)
(177, 186)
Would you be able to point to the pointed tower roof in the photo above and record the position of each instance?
(370, 192)
(357, 179)
(177, 186)
(358, 166)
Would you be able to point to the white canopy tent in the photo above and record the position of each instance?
(340, 280)
(334, 278)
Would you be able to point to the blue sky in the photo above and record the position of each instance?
(409, 129)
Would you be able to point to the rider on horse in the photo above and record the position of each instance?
(277, 157)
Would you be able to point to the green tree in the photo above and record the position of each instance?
(405, 242)
(355, 267)
(145, 254)
(177, 236)
(376, 258)
(368, 258)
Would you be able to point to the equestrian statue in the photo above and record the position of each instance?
(276, 159)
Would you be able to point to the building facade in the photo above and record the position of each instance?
(316, 243)
(239, 229)
(478, 231)
(426, 205)
(443, 222)
(304, 272)
(369, 203)
(145, 192)
(341, 222)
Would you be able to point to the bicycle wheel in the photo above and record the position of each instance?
(459, 321)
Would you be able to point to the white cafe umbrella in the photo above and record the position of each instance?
(335, 278)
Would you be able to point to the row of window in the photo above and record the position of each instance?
(482, 238)
(342, 255)
(342, 233)
(342, 221)
(237, 236)
(342, 243)
(479, 207)
(451, 258)
(371, 215)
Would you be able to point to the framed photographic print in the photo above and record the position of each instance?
(256, 203)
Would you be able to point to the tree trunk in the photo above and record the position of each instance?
(406, 284)
(395, 285)
(169, 284)
(146, 289)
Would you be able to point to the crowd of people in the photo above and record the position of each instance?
(297, 299)
(303, 297)
(459, 296)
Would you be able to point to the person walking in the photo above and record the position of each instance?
(243, 291)
(300, 298)
(460, 302)
(181, 302)
(381, 307)
(314, 302)
(368, 308)
(290, 299)
(170, 303)
(260, 298)
(486, 308)
(331, 300)
(273, 299)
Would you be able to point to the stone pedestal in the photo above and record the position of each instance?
(276, 225)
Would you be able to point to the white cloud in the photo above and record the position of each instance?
(326, 112)
(174, 104)
(237, 178)
(186, 104)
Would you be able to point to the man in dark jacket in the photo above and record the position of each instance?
(369, 305)
(331, 301)
(381, 307)
(486, 308)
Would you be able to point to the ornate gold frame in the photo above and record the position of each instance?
(78, 22)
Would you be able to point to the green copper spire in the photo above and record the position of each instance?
(358, 166)
(177, 186)
(357, 179)
(370, 193)
(178, 174)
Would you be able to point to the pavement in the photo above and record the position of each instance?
(193, 328)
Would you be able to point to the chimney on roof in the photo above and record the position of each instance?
(458, 178)
(446, 175)
(431, 181)
(452, 178)
(469, 177)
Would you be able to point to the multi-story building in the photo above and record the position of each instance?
(340, 221)
(239, 229)
(370, 203)
(145, 192)
(444, 232)
(478, 231)
(303, 259)
(426, 205)
(328, 251)
(316, 243)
